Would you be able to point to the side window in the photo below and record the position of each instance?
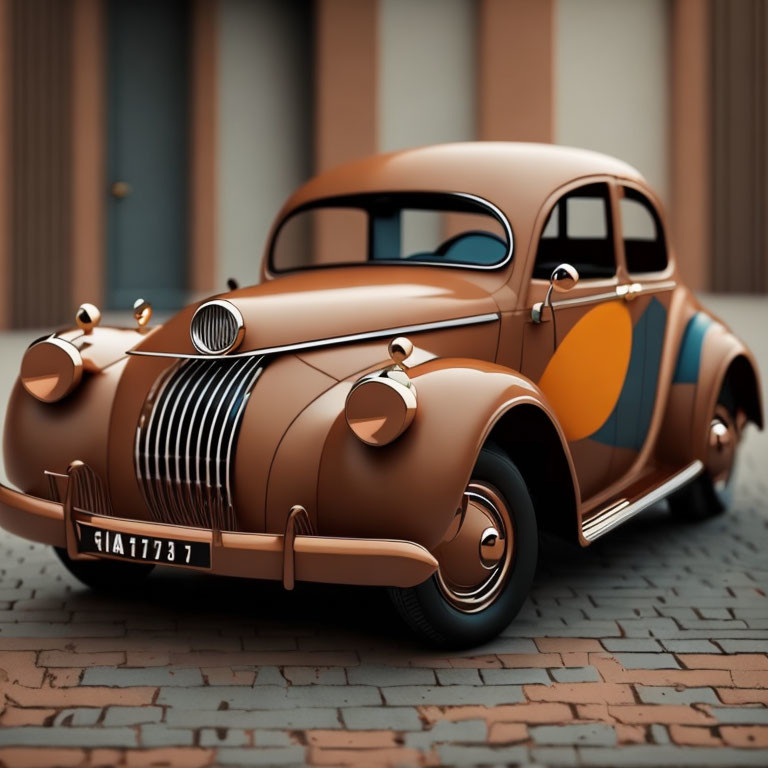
(644, 246)
(579, 232)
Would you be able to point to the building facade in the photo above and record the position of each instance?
(146, 146)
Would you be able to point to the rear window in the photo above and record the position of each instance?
(445, 230)
(644, 246)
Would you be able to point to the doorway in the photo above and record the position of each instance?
(147, 154)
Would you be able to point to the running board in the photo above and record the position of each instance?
(619, 512)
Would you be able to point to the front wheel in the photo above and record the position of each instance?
(105, 575)
(487, 561)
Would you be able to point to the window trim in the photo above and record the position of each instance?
(612, 233)
(657, 274)
(340, 200)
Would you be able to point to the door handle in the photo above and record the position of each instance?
(629, 291)
(120, 189)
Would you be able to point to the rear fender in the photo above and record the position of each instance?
(724, 356)
(709, 354)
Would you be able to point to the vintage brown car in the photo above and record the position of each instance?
(406, 399)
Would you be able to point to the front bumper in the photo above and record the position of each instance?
(287, 557)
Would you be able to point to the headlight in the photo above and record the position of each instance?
(381, 406)
(51, 369)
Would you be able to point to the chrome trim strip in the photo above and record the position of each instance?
(236, 429)
(384, 333)
(667, 285)
(224, 510)
(619, 513)
(201, 461)
(167, 377)
(592, 298)
(180, 482)
(170, 398)
(191, 489)
(224, 402)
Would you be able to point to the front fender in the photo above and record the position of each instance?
(411, 488)
(47, 436)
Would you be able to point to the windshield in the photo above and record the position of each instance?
(404, 228)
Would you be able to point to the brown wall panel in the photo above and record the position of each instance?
(740, 154)
(41, 209)
(515, 70)
(346, 84)
(203, 136)
(346, 95)
(89, 124)
(690, 140)
(5, 163)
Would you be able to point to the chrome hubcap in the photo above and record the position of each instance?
(721, 449)
(476, 556)
(491, 548)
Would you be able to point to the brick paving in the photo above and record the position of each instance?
(649, 648)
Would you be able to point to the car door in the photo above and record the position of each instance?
(647, 292)
(579, 355)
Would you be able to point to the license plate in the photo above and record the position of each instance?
(143, 549)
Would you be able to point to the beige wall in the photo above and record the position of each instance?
(611, 93)
(265, 125)
(426, 72)
(612, 81)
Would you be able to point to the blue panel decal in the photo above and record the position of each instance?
(628, 424)
(689, 356)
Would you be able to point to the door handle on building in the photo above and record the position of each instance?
(120, 189)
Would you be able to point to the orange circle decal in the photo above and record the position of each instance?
(584, 378)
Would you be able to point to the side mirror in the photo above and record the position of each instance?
(563, 278)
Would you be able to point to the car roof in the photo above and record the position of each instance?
(516, 176)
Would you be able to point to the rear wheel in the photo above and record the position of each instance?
(487, 561)
(711, 492)
(105, 575)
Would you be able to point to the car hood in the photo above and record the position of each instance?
(323, 304)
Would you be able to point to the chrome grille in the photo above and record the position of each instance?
(186, 438)
(216, 328)
(88, 492)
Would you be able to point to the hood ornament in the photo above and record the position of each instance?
(142, 313)
(400, 349)
(88, 317)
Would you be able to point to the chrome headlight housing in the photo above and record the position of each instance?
(381, 406)
(51, 369)
(217, 327)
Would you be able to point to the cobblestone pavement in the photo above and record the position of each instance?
(649, 648)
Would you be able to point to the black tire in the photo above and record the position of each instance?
(699, 500)
(106, 575)
(702, 499)
(428, 612)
